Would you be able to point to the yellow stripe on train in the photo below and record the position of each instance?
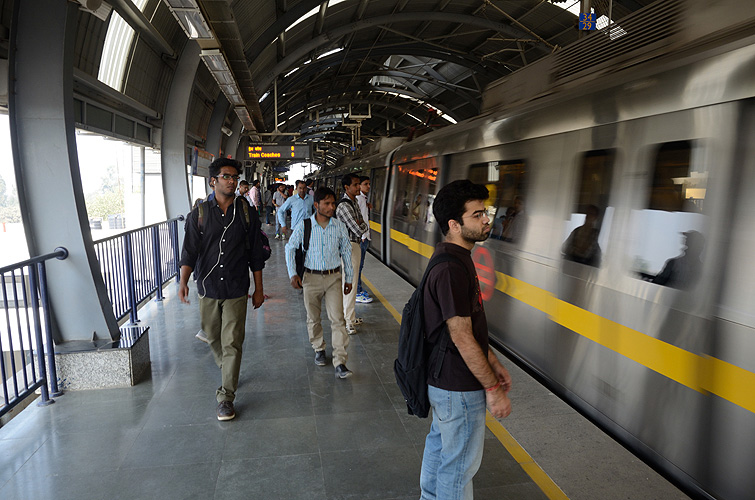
(700, 373)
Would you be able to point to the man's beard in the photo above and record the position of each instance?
(472, 236)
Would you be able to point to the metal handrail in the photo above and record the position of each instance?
(137, 263)
(21, 344)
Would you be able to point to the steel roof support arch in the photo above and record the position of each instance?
(376, 22)
(174, 150)
(43, 139)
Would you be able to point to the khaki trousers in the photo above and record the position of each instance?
(223, 322)
(317, 286)
(350, 300)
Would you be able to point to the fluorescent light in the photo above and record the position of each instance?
(192, 22)
(325, 54)
(264, 96)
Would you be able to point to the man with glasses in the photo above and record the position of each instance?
(470, 376)
(223, 243)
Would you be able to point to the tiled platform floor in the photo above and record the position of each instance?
(299, 433)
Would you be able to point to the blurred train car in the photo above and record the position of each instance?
(621, 173)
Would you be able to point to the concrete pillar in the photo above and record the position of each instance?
(44, 154)
(214, 133)
(174, 151)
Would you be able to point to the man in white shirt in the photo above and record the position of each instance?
(364, 207)
(255, 199)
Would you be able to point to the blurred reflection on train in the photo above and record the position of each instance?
(620, 268)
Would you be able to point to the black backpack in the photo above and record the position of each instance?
(414, 350)
(301, 252)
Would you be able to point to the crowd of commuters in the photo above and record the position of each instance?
(224, 246)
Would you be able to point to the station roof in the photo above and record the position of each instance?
(386, 65)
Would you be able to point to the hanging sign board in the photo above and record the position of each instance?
(277, 151)
(587, 22)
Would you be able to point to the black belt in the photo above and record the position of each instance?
(327, 271)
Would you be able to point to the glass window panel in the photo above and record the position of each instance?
(506, 183)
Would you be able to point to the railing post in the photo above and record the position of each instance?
(130, 285)
(38, 337)
(176, 251)
(52, 369)
(157, 263)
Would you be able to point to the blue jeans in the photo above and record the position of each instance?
(268, 214)
(453, 448)
(364, 245)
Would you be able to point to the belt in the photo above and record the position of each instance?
(327, 271)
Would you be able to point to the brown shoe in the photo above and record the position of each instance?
(226, 411)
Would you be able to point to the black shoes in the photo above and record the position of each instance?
(343, 372)
(320, 358)
(226, 411)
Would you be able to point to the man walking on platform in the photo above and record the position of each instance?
(255, 196)
(470, 376)
(223, 243)
(364, 207)
(348, 213)
(329, 245)
(279, 198)
(300, 205)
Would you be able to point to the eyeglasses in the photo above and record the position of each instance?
(228, 177)
(477, 215)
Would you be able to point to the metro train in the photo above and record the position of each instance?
(619, 268)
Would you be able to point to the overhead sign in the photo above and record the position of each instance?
(587, 21)
(277, 151)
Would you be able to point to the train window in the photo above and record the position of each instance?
(674, 188)
(668, 236)
(587, 229)
(415, 193)
(377, 186)
(506, 182)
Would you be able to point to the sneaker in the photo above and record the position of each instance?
(201, 335)
(351, 329)
(226, 411)
(277, 236)
(363, 298)
(343, 372)
(357, 321)
(320, 358)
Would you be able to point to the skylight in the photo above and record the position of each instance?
(312, 12)
(116, 50)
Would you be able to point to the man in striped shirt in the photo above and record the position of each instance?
(329, 245)
(348, 213)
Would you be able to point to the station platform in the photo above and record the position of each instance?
(299, 433)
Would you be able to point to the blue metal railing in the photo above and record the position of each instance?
(26, 334)
(137, 263)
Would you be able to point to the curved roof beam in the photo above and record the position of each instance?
(374, 102)
(376, 22)
(390, 91)
(319, 65)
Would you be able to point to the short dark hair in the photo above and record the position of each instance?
(309, 182)
(363, 178)
(224, 162)
(300, 182)
(322, 193)
(243, 183)
(256, 182)
(450, 200)
(346, 179)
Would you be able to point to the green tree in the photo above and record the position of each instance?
(106, 203)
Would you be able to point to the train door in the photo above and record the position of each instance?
(378, 178)
(412, 236)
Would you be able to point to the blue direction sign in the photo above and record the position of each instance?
(587, 22)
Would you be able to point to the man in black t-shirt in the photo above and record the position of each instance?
(471, 377)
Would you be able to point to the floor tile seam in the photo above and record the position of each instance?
(123, 468)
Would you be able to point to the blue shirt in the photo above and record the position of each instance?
(327, 248)
(300, 208)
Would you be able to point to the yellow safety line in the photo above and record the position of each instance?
(382, 300)
(700, 373)
(525, 461)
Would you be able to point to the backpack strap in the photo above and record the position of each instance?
(200, 218)
(307, 233)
